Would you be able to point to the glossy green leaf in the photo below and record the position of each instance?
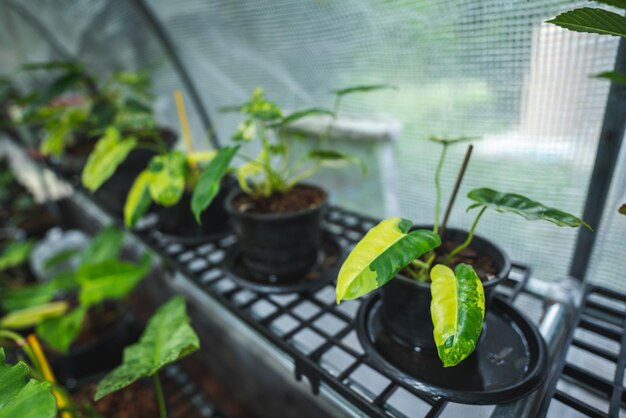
(295, 116)
(106, 245)
(523, 206)
(111, 150)
(167, 177)
(590, 20)
(209, 183)
(138, 199)
(329, 157)
(60, 332)
(457, 310)
(29, 317)
(15, 254)
(614, 76)
(363, 89)
(110, 279)
(380, 255)
(168, 337)
(21, 396)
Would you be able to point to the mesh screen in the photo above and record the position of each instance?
(487, 68)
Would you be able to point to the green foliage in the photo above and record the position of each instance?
(523, 206)
(168, 337)
(590, 20)
(110, 151)
(457, 310)
(21, 396)
(29, 317)
(380, 255)
(138, 199)
(622, 209)
(38, 294)
(15, 254)
(167, 177)
(208, 185)
(59, 332)
(106, 245)
(363, 89)
(614, 76)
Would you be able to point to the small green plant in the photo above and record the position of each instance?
(457, 296)
(276, 169)
(168, 337)
(75, 109)
(598, 21)
(101, 276)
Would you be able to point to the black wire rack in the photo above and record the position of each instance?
(590, 375)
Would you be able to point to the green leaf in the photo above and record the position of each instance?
(364, 89)
(457, 310)
(110, 279)
(57, 129)
(38, 294)
(614, 76)
(60, 258)
(589, 20)
(29, 317)
(209, 183)
(299, 115)
(167, 177)
(110, 151)
(615, 3)
(168, 337)
(260, 108)
(60, 332)
(138, 199)
(15, 254)
(21, 396)
(333, 157)
(450, 141)
(246, 131)
(69, 66)
(106, 245)
(622, 209)
(523, 206)
(380, 255)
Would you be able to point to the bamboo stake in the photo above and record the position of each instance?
(184, 123)
(457, 185)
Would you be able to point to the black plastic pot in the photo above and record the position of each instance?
(281, 246)
(406, 302)
(112, 194)
(97, 356)
(179, 224)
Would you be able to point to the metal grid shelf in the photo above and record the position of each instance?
(590, 377)
(317, 334)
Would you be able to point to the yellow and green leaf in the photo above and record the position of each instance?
(457, 310)
(110, 151)
(167, 177)
(380, 255)
(138, 199)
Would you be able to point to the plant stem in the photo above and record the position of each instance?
(159, 394)
(438, 187)
(457, 185)
(469, 237)
(333, 119)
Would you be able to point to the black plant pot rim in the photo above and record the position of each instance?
(273, 216)
(496, 280)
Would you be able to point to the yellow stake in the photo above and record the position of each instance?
(184, 123)
(47, 373)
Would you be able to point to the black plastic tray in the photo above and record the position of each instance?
(509, 361)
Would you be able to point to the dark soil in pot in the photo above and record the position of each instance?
(279, 236)
(406, 302)
(135, 401)
(112, 194)
(100, 345)
(179, 223)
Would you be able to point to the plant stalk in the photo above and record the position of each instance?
(457, 185)
(438, 187)
(469, 237)
(159, 394)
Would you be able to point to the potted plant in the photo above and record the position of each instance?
(276, 217)
(87, 329)
(167, 338)
(437, 284)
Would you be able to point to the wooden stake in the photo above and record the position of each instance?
(457, 185)
(184, 122)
